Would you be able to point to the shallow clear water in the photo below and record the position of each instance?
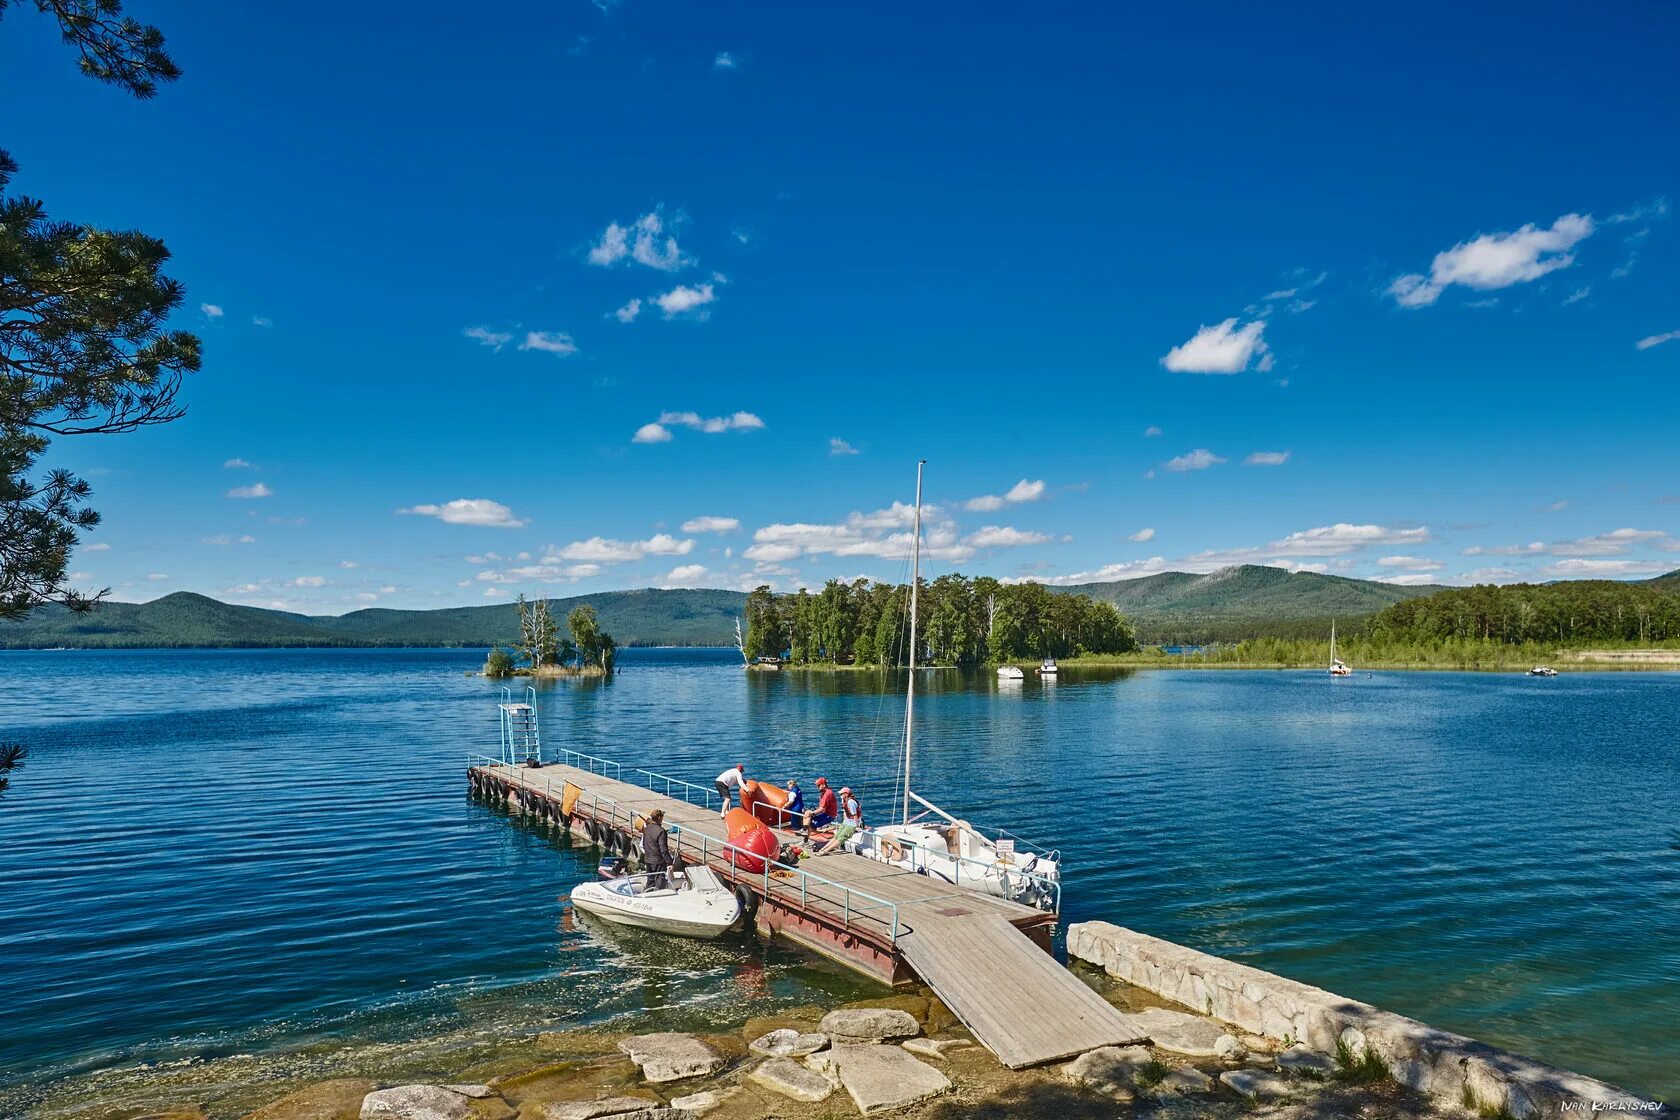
(271, 852)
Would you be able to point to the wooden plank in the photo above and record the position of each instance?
(1016, 999)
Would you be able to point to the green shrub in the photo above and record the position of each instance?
(499, 663)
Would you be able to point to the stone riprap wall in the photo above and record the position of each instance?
(1443, 1065)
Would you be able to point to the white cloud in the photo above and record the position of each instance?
(1340, 539)
(1198, 460)
(211, 311)
(539, 573)
(1108, 573)
(602, 550)
(1566, 569)
(1489, 575)
(684, 575)
(1267, 458)
(1410, 579)
(1142, 535)
(549, 342)
(711, 525)
(1578, 295)
(469, 511)
(646, 241)
(237, 464)
(1614, 543)
(1557, 506)
(156, 577)
(1656, 340)
(307, 581)
(255, 490)
(1023, 491)
(348, 565)
(1411, 563)
(1150, 431)
(226, 539)
(1221, 348)
(261, 321)
(838, 446)
(487, 337)
(682, 299)
(660, 430)
(101, 546)
(725, 61)
(884, 534)
(628, 313)
(1495, 260)
(1004, 536)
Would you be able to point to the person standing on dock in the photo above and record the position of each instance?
(730, 779)
(656, 850)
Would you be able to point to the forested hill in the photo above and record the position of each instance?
(1175, 606)
(1246, 601)
(645, 617)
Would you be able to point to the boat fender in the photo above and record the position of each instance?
(748, 902)
(891, 849)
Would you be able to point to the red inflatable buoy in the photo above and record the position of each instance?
(756, 845)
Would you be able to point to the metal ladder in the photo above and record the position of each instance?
(521, 740)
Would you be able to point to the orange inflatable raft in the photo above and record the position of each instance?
(754, 842)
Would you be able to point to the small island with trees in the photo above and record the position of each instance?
(541, 651)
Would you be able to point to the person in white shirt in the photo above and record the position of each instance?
(851, 819)
(730, 779)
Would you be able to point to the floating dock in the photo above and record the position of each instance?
(986, 958)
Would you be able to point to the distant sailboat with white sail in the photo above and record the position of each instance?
(1338, 668)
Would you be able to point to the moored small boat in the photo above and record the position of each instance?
(1010, 673)
(1048, 667)
(1542, 671)
(698, 905)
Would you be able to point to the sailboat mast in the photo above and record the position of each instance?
(915, 587)
(1332, 642)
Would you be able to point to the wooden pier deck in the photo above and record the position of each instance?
(988, 959)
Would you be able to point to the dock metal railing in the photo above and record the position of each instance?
(590, 763)
(685, 791)
(775, 876)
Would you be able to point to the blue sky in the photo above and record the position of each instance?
(1151, 290)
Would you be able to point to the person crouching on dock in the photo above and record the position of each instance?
(851, 819)
(730, 779)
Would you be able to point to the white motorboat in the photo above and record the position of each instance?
(698, 904)
(1338, 668)
(953, 849)
(1542, 671)
(1048, 667)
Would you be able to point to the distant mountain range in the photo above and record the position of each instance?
(1229, 604)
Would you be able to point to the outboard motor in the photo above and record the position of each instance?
(612, 867)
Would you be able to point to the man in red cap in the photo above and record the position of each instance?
(827, 810)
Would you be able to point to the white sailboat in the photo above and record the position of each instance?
(938, 844)
(1337, 667)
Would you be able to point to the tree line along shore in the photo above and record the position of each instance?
(969, 622)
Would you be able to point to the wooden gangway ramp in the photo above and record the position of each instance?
(1014, 997)
(987, 959)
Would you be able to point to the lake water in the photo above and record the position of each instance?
(267, 860)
